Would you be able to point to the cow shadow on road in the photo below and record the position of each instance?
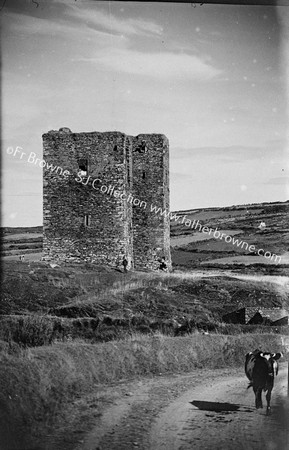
(220, 407)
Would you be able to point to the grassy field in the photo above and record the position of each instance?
(36, 384)
(21, 241)
(192, 247)
(41, 304)
(74, 327)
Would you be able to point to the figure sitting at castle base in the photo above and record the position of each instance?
(125, 264)
(163, 265)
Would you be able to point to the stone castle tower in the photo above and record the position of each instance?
(101, 195)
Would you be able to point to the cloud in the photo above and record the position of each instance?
(278, 181)
(29, 25)
(93, 17)
(180, 176)
(80, 15)
(159, 65)
(276, 144)
(234, 153)
(231, 153)
(98, 36)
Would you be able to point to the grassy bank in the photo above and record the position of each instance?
(37, 383)
(34, 330)
(91, 291)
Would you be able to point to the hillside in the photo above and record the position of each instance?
(21, 241)
(101, 303)
(193, 248)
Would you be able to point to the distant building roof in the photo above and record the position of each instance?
(255, 314)
(258, 319)
(270, 313)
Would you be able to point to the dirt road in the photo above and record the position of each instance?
(158, 414)
(238, 426)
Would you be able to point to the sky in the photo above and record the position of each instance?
(212, 78)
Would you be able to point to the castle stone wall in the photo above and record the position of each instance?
(92, 213)
(151, 184)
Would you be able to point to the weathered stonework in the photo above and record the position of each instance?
(98, 193)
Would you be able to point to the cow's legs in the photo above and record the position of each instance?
(268, 398)
(258, 397)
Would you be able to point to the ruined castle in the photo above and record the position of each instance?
(101, 198)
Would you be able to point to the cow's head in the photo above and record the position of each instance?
(271, 361)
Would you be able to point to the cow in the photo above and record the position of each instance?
(260, 369)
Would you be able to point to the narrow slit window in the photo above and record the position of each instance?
(83, 166)
(87, 220)
(143, 175)
(128, 174)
